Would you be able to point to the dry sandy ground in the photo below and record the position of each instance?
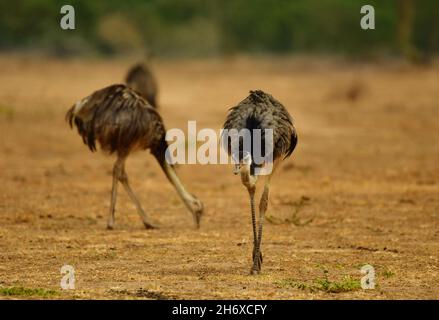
(362, 185)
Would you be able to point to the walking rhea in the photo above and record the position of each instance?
(121, 121)
(260, 111)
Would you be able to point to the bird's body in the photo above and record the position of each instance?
(122, 121)
(119, 119)
(141, 79)
(260, 111)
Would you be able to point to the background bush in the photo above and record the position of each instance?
(213, 27)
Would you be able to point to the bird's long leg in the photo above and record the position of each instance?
(263, 204)
(251, 192)
(249, 182)
(123, 178)
(116, 169)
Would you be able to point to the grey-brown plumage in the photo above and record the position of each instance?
(121, 121)
(141, 78)
(259, 111)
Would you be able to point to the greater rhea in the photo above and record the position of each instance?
(141, 78)
(259, 111)
(122, 121)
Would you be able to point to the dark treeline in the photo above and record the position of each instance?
(211, 27)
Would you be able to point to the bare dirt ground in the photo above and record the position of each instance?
(361, 188)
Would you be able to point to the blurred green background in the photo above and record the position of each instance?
(222, 27)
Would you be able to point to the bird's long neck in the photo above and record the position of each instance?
(175, 180)
(247, 178)
(160, 154)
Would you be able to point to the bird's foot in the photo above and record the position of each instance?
(254, 271)
(110, 225)
(197, 219)
(257, 263)
(149, 225)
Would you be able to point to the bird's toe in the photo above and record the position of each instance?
(254, 271)
(149, 225)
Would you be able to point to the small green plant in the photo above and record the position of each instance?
(388, 274)
(345, 285)
(21, 291)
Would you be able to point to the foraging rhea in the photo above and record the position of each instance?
(121, 121)
(259, 111)
(141, 79)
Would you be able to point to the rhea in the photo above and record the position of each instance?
(259, 111)
(122, 122)
(141, 78)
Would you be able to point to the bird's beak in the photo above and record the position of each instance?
(197, 216)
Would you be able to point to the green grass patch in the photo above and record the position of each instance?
(26, 292)
(345, 285)
(388, 273)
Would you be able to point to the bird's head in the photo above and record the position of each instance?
(197, 209)
(243, 163)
